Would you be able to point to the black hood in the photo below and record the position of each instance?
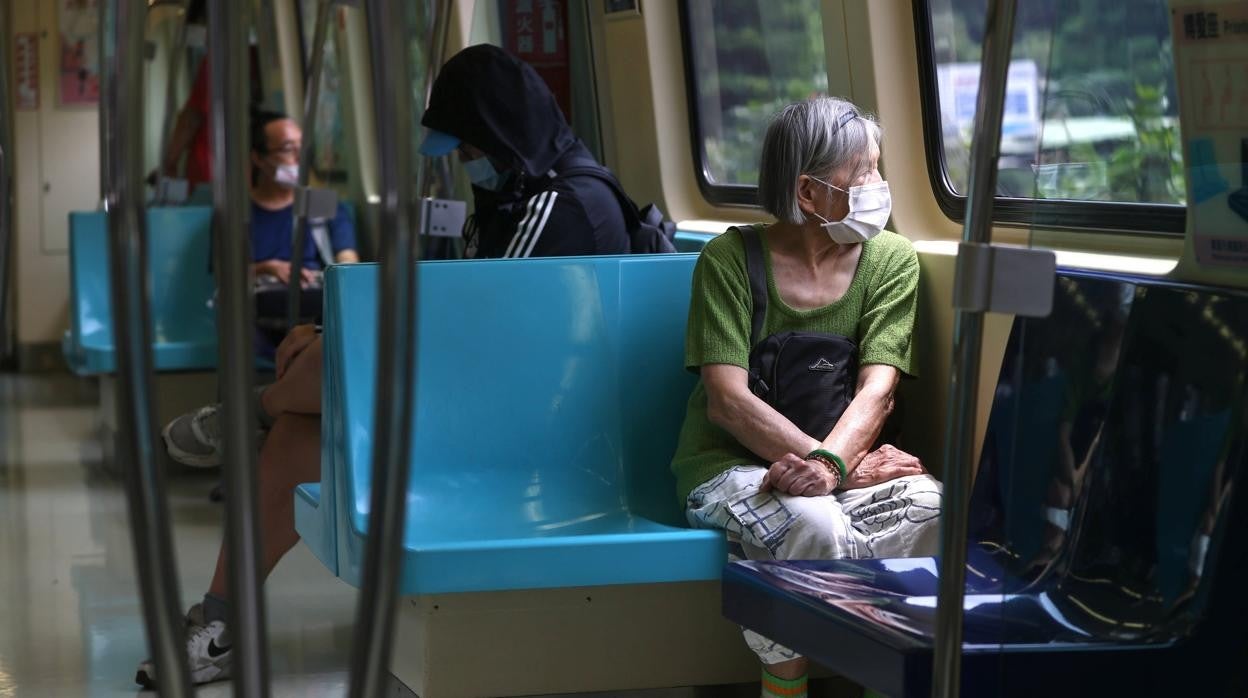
(492, 100)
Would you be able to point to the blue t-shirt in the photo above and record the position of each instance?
(273, 232)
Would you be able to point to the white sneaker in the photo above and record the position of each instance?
(195, 438)
(208, 650)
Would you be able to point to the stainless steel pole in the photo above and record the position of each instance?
(132, 335)
(107, 35)
(230, 69)
(6, 190)
(311, 96)
(395, 380)
(968, 330)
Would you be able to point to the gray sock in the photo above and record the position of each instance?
(266, 420)
(215, 608)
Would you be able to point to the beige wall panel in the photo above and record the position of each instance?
(56, 171)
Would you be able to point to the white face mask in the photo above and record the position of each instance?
(287, 176)
(869, 208)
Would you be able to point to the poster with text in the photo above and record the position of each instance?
(1211, 61)
(26, 67)
(78, 78)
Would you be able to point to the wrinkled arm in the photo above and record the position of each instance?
(752, 422)
(860, 426)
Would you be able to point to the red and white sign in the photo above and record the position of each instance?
(26, 71)
(537, 32)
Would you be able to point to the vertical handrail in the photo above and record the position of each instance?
(311, 96)
(968, 332)
(230, 71)
(108, 69)
(6, 184)
(395, 378)
(132, 335)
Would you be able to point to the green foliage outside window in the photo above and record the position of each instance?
(1107, 88)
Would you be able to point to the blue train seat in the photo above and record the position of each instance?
(690, 241)
(549, 396)
(183, 322)
(1109, 521)
(182, 286)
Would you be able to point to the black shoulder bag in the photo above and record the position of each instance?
(809, 377)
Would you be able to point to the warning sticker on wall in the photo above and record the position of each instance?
(1211, 60)
(26, 71)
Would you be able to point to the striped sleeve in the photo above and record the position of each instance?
(531, 227)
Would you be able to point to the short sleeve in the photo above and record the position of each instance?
(886, 328)
(342, 232)
(718, 331)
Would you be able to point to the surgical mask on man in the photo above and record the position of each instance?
(481, 173)
(869, 208)
(286, 176)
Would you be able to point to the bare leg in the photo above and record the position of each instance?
(299, 389)
(792, 669)
(291, 455)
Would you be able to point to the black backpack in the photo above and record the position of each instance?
(648, 231)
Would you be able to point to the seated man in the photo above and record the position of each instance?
(741, 465)
(276, 141)
(523, 209)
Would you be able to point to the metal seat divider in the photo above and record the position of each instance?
(230, 70)
(396, 346)
(132, 335)
(968, 330)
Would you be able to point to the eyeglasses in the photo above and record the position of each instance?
(291, 149)
(827, 184)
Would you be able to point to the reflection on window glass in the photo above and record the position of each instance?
(1091, 109)
(328, 133)
(750, 58)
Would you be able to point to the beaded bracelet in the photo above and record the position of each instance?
(830, 459)
(831, 467)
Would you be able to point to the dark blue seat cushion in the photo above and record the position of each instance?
(1120, 416)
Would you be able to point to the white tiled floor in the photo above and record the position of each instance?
(70, 619)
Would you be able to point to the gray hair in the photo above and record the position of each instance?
(818, 137)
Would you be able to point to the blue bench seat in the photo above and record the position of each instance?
(183, 322)
(549, 396)
(1109, 523)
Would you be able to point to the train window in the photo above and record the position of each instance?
(1091, 130)
(744, 60)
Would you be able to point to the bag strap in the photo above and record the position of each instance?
(756, 268)
(627, 205)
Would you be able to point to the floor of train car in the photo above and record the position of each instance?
(70, 621)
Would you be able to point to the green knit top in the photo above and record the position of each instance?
(877, 311)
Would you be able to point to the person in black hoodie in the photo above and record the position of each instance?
(497, 113)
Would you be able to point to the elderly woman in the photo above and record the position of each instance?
(741, 465)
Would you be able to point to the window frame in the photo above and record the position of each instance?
(1164, 220)
(731, 195)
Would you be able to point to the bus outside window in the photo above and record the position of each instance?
(1091, 107)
